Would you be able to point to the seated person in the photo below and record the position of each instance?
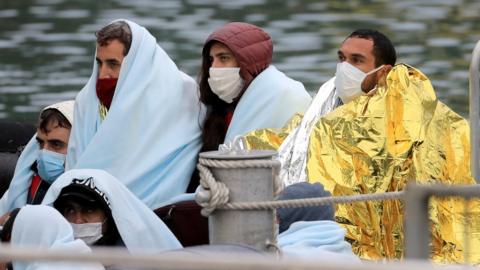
(290, 215)
(311, 232)
(88, 212)
(42, 227)
(103, 212)
(358, 72)
(42, 160)
(138, 116)
(240, 87)
(378, 142)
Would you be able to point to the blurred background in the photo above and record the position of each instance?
(47, 46)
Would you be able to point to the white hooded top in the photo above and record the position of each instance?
(16, 195)
(141, 230)
(43, 227)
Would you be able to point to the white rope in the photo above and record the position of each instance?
(313, 201)
(239, 164)
(218, 192)
(216, 195)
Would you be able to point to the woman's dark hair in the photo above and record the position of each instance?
(116, 30)
(52, 117)
(214, 128)
(383, 49)
(8, 226)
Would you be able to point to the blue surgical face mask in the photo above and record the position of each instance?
(50, 165)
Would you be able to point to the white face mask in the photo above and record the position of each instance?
(348, 81)
(226, 83)
(90, 233)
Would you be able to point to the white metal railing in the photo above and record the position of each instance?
(192, 261)
(416, 243)
(474, 111)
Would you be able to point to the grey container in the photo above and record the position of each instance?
(251, 227)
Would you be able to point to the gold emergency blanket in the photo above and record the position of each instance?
(376, 144)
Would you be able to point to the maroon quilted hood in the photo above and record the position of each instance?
(251, 46)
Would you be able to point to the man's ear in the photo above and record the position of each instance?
(386, 69)
(383, 72)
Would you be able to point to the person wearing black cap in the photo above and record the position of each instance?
(103, 211)
(88, 211)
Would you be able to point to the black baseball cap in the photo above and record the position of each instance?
(84, 194)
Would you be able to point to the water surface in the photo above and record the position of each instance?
(47, 46)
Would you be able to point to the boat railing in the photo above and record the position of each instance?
(189, 261)
(417, 235)
(474, 112)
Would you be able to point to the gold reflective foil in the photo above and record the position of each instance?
(376, 144)
(271, 139)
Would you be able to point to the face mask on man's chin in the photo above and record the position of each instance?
(348, 81)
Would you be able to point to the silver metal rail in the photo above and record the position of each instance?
(474, 111)
(417, 233)
(192, 261)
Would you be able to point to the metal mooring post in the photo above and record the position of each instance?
(251, 227)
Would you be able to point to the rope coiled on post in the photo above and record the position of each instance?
(216, 195)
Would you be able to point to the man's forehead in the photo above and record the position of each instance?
(111, 47)
(357, 45)
(53, 128)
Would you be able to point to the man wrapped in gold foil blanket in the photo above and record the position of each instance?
(378, 142)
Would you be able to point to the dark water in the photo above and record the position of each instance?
(47, 46)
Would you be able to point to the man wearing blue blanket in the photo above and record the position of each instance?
(138, 116)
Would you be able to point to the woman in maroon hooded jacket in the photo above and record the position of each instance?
(240, 87)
